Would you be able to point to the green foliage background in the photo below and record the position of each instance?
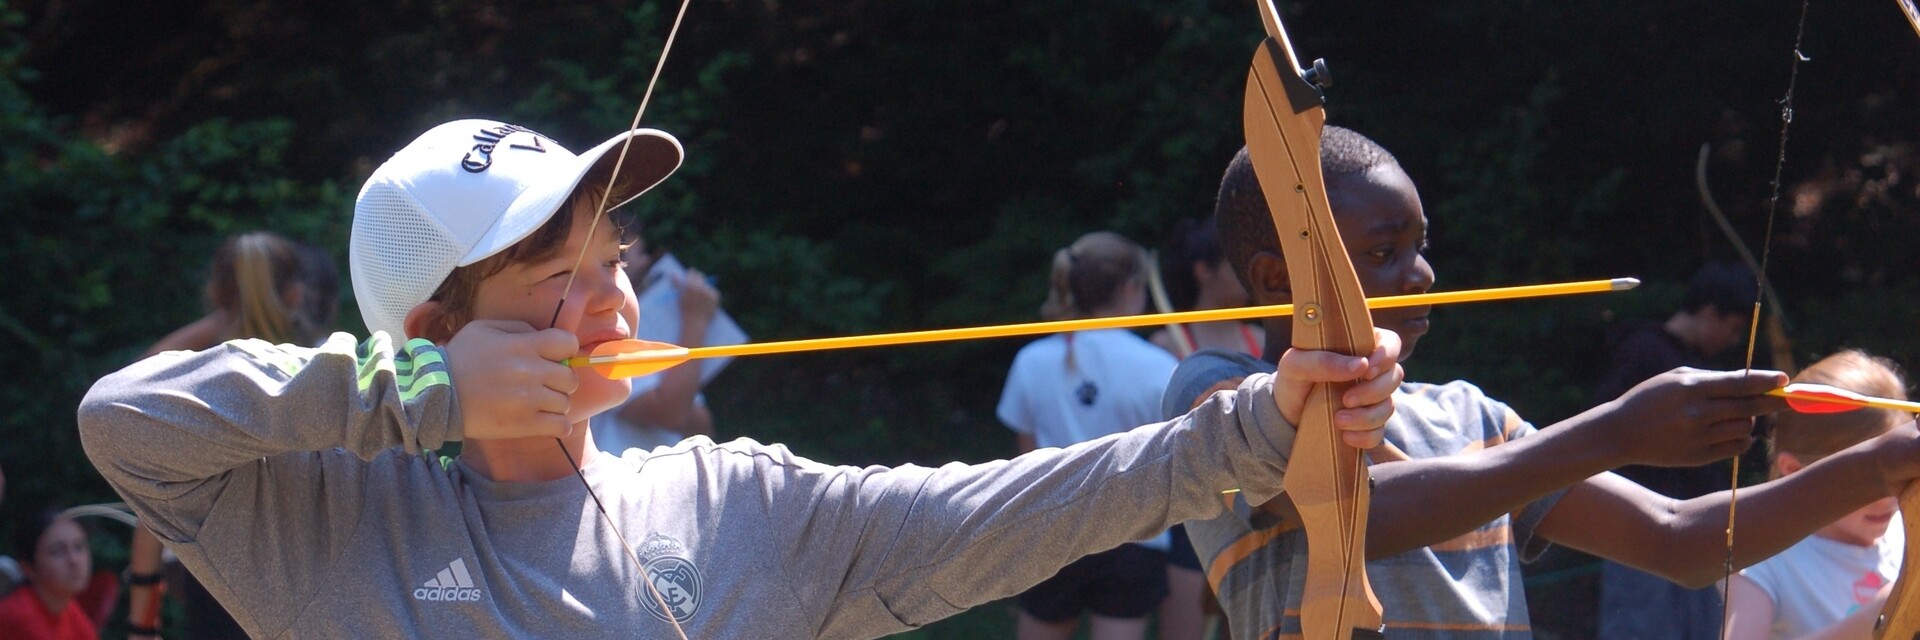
(861, 166)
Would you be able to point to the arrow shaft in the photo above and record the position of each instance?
(1089, 324)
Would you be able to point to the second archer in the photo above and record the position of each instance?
(1484, 489)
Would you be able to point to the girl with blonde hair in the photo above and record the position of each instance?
(1833, 583)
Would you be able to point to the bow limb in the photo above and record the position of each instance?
(1326, 479)
(1776, 325)
(1182, 347)
(1900, 616)
(1760, 279)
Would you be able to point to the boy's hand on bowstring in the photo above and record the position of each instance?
(1367, 405)
(1688, 417)
(509, 379)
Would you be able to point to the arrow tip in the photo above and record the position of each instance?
(1623, 284)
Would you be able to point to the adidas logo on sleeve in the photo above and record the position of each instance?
(453, 584)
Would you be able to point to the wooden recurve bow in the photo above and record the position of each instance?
(1900, 617)
(1326, 479)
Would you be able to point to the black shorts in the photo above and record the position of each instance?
(1180, 552)
(1128, 581)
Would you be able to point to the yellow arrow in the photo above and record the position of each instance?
(629, 358)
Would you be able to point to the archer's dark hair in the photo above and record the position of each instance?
(1728, 286)
(1244, 223)
(1194, 241)
(321, 274)
(26, 538)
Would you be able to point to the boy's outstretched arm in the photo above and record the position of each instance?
(934, 541)
(1680, 418)
(1685, 540)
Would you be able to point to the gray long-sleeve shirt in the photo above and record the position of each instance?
(293, 482)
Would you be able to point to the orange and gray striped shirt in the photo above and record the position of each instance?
(1467, 587)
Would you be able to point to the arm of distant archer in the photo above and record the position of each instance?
(1679, 418)
(1685, 541)
(194, 336)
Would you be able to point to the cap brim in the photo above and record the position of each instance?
(650, 156)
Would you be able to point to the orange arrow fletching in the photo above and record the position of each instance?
(1820, 398)
(630, 358)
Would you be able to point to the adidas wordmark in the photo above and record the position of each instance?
(453, 584)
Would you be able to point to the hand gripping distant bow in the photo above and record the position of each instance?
(1326, 479)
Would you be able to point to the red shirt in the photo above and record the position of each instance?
(24, 616)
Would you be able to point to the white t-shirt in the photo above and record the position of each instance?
(1113, 384)
(1819, 581)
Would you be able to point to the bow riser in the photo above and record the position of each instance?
(1326, 480)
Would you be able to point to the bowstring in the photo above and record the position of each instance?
(1760, 284)
(601, 211)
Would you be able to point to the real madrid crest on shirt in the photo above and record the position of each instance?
(671, 570)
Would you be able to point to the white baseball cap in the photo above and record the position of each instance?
(466, 190)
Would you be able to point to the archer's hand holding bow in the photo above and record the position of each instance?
(1368, 404)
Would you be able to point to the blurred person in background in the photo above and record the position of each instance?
(1197, 276)
(1713, 318)
(260, 285)
(1069, 388)
(58, 566)
(666, 407)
